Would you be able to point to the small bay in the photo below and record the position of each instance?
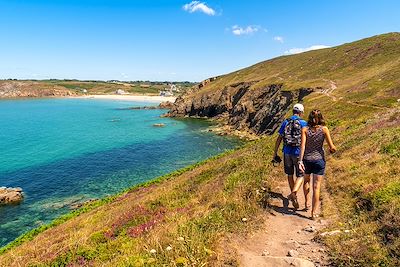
(62, 152)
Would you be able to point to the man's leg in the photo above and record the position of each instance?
(297, 185)
(291, 182)
(289, 169)
(299, 175)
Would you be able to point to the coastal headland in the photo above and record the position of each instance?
(220, 212)
(11, 88)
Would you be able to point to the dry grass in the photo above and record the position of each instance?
(189, 213)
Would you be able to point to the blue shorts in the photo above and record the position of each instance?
(314, 166)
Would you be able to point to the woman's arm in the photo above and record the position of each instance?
(302, 147)
(332, 147)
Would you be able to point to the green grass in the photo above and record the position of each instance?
(393, 148)
(140, 90)
(385, 195)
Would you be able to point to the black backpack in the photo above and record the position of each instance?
(292, 133)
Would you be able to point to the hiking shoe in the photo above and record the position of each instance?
(295, 203)
(293, 199)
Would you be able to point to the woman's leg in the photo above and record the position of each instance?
(317, 180)
(306, 189)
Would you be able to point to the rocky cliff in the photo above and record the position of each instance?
(240, 106)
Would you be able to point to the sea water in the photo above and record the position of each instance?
(66, 151)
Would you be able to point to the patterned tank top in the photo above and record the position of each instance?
(314, 145)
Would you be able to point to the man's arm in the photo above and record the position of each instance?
(279, 138)
(277, 144)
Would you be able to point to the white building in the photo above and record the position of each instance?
(120, 92)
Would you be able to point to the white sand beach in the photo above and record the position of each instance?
(144, 98)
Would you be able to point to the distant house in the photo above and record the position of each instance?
(84, 91)
(166, 93)
(120, 92)
(172, 88)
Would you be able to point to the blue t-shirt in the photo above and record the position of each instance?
(290, 149)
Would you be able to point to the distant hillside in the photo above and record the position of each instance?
(365, 71)
(48, 88)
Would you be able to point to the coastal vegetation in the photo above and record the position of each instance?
(12, 88)
(188, 218)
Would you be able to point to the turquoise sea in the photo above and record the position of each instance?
(65, 151)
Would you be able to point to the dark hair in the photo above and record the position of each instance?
(315, 118)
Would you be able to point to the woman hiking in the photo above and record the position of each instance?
(312, 156)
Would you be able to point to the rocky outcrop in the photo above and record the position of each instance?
(162, 105)
(258, 110)
(16, 89)
(10, 195)
(166, 105)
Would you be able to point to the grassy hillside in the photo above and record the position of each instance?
(186, 219)
(366, 68)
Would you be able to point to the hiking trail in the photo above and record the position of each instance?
(287, 238)
(333, 86)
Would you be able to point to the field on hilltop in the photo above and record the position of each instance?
(188, 218)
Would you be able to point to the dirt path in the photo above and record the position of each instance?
(333, 86)
(287, 237)
(329, 91)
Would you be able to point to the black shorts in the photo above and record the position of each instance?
(314, 166)
(291, 164)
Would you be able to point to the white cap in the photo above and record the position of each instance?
(298, 107)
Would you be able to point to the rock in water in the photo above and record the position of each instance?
(10, 195)
(166, 105)
(158, 124)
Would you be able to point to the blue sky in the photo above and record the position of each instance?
(174, 40)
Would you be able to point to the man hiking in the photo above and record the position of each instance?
(290, 133)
